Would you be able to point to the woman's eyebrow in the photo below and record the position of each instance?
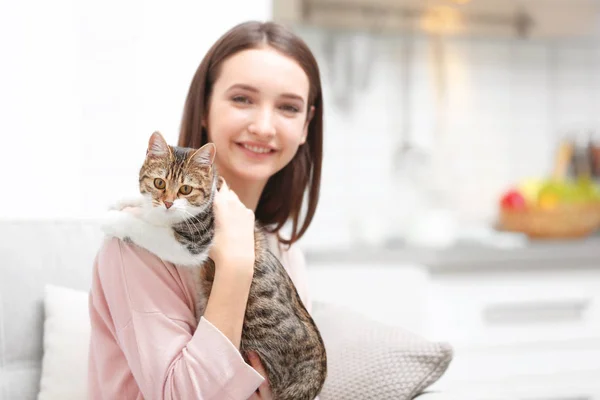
(293, 97)
(243, 86)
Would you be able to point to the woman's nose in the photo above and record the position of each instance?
(263, 124)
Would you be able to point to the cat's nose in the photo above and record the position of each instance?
(168, 204)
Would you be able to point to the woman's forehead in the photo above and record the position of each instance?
(265, 69)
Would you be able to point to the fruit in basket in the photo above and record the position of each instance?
(556, 192)
(588, 189)
(548, 200)
(558, 207)
(550, 194)
(513, 200)
(530, 189)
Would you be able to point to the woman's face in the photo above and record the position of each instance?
(257, 115)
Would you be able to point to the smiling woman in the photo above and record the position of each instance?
(257, 96)
(161, 330)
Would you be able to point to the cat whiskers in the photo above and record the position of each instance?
(191, 228)
(198, 227)
(200, 223)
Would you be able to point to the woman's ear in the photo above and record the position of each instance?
(311, 114)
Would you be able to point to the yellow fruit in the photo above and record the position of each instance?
(530, 189)
(548, 201)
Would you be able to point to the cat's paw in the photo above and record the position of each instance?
(116, 223)
(131, 204)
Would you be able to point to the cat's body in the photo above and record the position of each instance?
(276, 326)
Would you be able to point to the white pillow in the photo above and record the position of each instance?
(66, 343)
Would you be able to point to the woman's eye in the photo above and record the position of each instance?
(290, 108)
(241, 99)
(185, 189)
(160, 183)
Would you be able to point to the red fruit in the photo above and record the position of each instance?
(513, 200)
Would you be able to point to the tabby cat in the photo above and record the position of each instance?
(174, 220)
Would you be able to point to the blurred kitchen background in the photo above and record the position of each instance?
(436, 109)
(461, 157)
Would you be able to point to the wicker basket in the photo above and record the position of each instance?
(565, 221)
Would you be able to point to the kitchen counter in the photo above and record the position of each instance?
(548, 254)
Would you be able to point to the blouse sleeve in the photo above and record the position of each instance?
(169, 356)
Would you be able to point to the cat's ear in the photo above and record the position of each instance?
(205, 155)
(157, 146)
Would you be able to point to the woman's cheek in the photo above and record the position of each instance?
(238, 118)
(293, 130)
(228, 124)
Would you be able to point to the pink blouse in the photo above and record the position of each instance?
(145, 343)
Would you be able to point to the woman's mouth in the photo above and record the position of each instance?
(256, 150)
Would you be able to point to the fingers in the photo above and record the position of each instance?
(226, 195)
(264, 390)
(256, 363)
(220, 182)
(226, 191)
(224, 186)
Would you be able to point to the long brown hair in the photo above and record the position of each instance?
(283, 196)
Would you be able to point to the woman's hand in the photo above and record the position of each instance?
(233, 245)
(264, 390)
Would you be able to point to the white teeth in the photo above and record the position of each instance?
(256, 149)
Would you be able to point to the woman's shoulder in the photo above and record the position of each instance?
(295, 257)
(291, 257)
(150, 284)
(114, 253)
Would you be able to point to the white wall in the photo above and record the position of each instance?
(83, 85)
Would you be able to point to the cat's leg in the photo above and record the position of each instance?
(137, 201)
(204, 278)
(159, 240)
(118, 224)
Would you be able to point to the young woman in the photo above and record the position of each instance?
(257, 96)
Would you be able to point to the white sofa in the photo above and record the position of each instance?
(33, 254)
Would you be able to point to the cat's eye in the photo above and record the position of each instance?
(160, 183)
(185, 189)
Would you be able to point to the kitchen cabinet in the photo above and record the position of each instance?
(524, 323)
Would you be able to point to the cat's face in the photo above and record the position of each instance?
(177, 182)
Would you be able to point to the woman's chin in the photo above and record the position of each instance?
(255, 173)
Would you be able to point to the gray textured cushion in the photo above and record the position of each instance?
(31, 255)
(370, 360)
